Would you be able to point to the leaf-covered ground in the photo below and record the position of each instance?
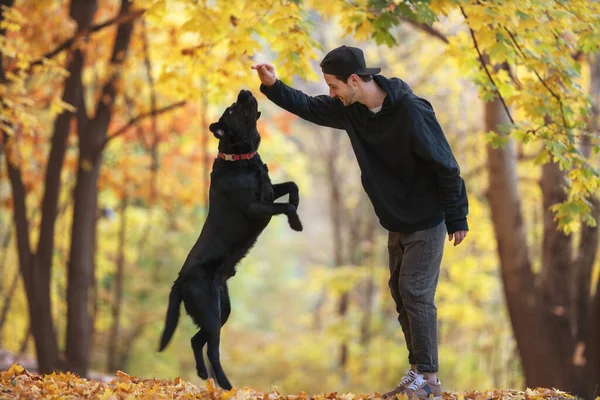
(18, 383)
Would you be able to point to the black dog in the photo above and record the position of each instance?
(241, 206)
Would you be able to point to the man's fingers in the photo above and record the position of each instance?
(450, 237)
(459, 237)
(259, 66)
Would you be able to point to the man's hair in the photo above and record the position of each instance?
(365, 78)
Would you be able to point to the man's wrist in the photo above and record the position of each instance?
(271, 85)
(457, 225)
(264, 88)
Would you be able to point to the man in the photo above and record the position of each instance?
(411, 177)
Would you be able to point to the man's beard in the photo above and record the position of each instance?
(349, 99)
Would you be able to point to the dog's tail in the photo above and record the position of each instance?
(172, 316)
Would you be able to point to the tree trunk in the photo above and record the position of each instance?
(7, 301)
(335, 211)
(544, 311)
(81, 266)
(153, 107)
(593, 348)
(118, 288)
(369, 288)
(129, 341)
(554, 286)
(512, 249)
(92, 134)
(5, 245)
(587, 310)
(6, 242)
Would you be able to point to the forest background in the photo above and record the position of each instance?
(105, 162)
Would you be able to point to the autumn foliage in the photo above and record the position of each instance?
(17, 382)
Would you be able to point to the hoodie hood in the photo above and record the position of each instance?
(396, 90)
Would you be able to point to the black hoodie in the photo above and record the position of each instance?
(407, 167)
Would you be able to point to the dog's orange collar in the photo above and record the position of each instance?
(236, 157)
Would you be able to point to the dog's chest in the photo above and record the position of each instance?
(265, 189)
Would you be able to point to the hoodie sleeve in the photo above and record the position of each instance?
(321, 110)
(429, 143)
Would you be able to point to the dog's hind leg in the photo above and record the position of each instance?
(205, 309)
(214, 341)
(225, 312)
(225, 303)
(200, 338)
(198, 342)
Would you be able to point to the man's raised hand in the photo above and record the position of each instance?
(266, 73)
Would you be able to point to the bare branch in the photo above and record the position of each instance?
(484, 65)
(141, 117)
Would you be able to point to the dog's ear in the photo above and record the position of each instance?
(217, 129)
(257, 115)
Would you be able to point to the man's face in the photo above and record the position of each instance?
(346, 92)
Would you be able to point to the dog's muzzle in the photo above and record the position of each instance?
(244, 95)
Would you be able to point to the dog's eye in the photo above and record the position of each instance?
(230, 111)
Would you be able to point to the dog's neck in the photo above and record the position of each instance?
(238, 151)
(236, 157)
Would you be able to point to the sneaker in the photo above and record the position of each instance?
(420, 388)
(406, 380)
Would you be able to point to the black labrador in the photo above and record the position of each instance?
(241, 204)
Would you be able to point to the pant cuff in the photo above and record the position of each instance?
(427, 368)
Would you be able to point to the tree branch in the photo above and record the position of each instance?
(92, 29)
(557, 97)
(139, 118)
(484, 65)
(427, 29)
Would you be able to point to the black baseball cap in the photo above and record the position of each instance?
(345, 61)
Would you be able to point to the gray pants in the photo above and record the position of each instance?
(415, 260)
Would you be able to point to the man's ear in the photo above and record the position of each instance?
(354, 79)
(257, 115)
(217, 129)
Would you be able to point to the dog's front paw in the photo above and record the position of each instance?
(295, 223)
